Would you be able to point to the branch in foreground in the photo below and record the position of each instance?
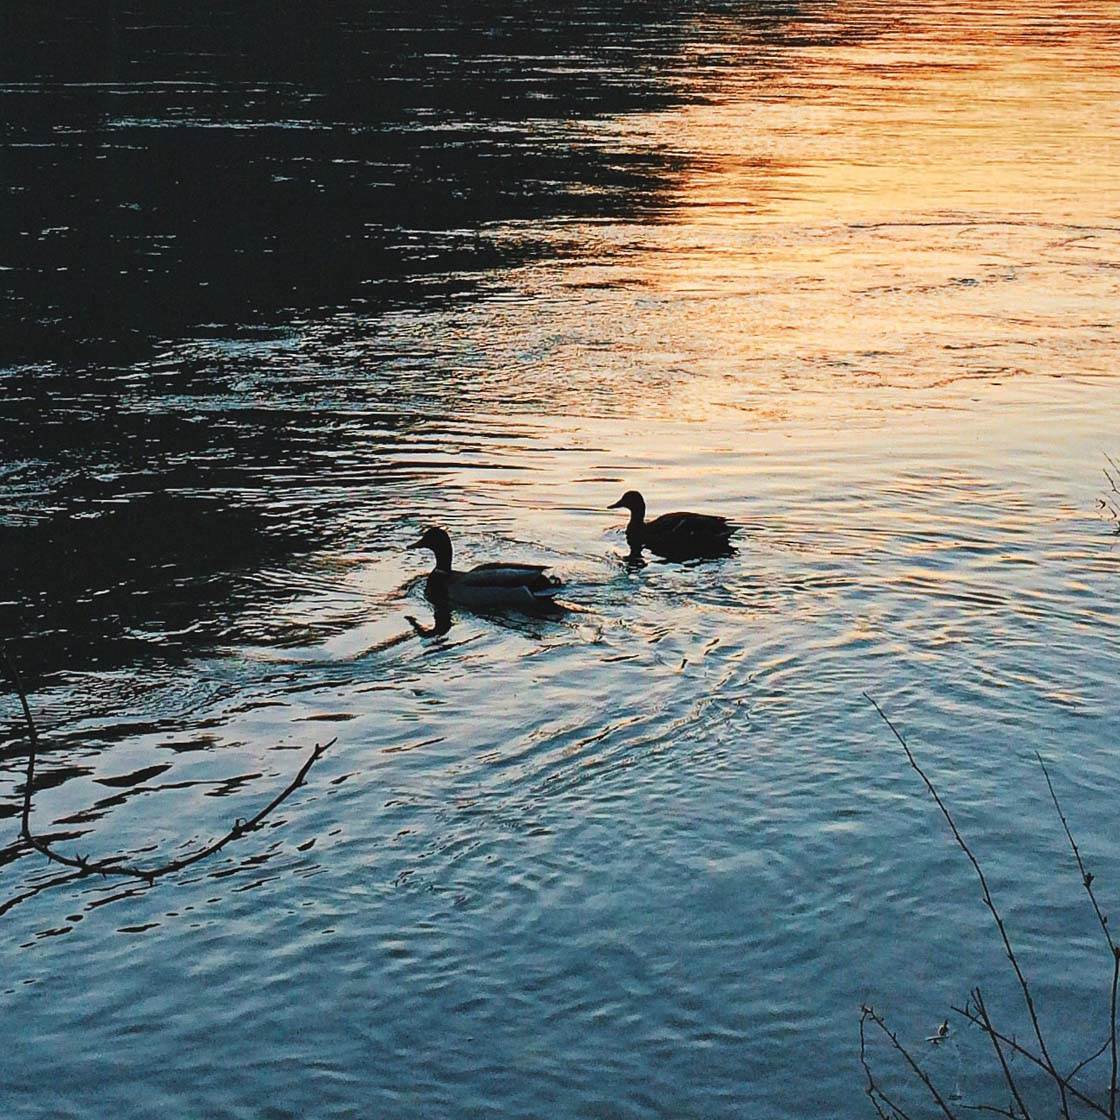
(117, 865)
(866, 1013)
(1086, 876)
(974, 1018)
(1008, 1077)
(989, 902)
(1102, 920)
(874, 1092)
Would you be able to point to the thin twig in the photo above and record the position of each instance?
(1086, 876)
(58, 880)
(116, 865)
(874, 1093)
(876, 1018)
(1019, 1048)
(1112, 1034)
(989, 902)
(978, 1000)
(1102, 920)
(1085, 1061)
(1115, 466)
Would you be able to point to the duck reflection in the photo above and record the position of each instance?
(442, 620)
(522, 619)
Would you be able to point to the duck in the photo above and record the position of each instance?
(501, 584)
(675, 536)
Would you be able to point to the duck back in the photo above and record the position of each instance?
(684, 535)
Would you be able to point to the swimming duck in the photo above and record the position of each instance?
(527, 586)
(676, 536)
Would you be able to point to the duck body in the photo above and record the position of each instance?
(522, 586)
(675, 536)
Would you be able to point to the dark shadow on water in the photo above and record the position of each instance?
(104, 585)
(204, 179)
(165, 169)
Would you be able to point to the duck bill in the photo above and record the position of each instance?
(416, 544)
(616, 505)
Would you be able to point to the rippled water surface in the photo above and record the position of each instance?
(279, 292)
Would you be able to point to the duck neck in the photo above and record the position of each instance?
(442, 553)
(637, 525)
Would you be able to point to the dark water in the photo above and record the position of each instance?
(286, 283)
(229, 181)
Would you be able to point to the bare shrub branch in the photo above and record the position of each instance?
(119, 865)
(1009, 1080)
(1046, 1061)
(870, 1014)
(1085, 1061)
(1102, 921)
(1086, 876)
(974, 1018)
(874, 1093)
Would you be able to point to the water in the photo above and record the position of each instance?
(847, 273)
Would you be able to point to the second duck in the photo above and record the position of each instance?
(675, 536)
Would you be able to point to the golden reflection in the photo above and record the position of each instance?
(925, 108)
(883, 196)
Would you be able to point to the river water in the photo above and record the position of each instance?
(284, 288)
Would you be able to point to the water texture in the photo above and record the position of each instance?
(284, 286)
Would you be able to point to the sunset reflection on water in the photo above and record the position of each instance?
(847, 273)
(926, 196)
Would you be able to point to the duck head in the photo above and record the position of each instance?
(439, 543)
(634, 502)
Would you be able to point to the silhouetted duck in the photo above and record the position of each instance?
(676, 536)
(527, 586)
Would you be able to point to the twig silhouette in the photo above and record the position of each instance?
(1085, 1061)
(989, 902)
(118, 865)
(1108, 501)
(874, 1092)
(1009, 1080)
(31, 892)
(1086, 876)
(975, 1011)
(976, 1020)
(869, 1013)
(1102, 920)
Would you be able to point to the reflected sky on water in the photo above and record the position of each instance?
(846, 273)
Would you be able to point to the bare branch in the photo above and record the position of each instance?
(978, 1000)
(870, 1013)
(1102, 921)
(989, 902)
(1086, 876)
(1013, 1044)
(58, 880)
(1085, 1061)
(117, 865)
(874, 1093)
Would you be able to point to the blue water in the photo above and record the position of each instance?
(646, 859)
